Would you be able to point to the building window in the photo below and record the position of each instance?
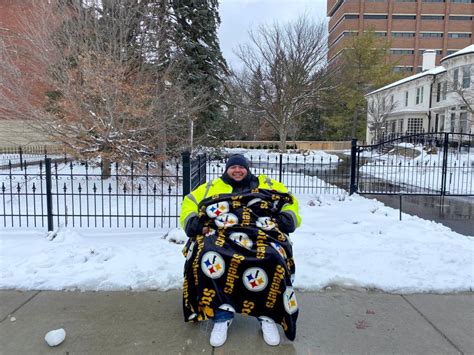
(406, 98)
(404, 17)
(432, 34)
(375, 17)
(402, 51)
(400, 69)
(415, 125)
(419, 95)
(459, 35)
(351, 17)
(455, 78)
(463, 122)
(438, 92)
(438, 51)
(405, 0)
(403, 34)
(463, 1)
(460, 18)
(445, 90)
(400, 126)
(441, 123)
(393, 126)
(432, 17)
(466, 76)
(453, 122)
(380, 34)
(433, 1)
(451, 51)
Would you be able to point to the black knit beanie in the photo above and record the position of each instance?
(237, 159)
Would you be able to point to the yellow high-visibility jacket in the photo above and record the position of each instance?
(189, 206)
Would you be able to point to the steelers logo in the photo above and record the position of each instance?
(254, 201)
(279, 249)
(190, 251)
(265, 223)
(289, 300)
(212, 265)
(217, 209)
(226, 220)
(241, 239)
(227, 307)
(255, 279)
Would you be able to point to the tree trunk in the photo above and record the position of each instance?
(283, 134)
(106, 168)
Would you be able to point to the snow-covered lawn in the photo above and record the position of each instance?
(349, 241)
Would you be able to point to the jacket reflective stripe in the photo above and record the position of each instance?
(189, 206)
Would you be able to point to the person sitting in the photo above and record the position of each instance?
(239, 255)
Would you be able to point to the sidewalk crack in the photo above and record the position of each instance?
(433, 325)
(21, 305)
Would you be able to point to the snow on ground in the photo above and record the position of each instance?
(316, 156)
(348, 241)
(410, 165)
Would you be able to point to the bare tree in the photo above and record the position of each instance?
(284, 64)
(464, 95)
(379, 107)
(109, 93)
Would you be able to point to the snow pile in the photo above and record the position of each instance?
(55, 337)
(348, 241)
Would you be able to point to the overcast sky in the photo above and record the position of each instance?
(238, 16)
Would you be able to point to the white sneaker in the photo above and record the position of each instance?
(219, 333)
(270, 332)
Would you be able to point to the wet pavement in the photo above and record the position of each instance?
(335, 321)
(454, 212)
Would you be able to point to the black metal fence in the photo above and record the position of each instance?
(418, 164)
(87, 194)
(78, 194)
(323, 173)
(31, 154)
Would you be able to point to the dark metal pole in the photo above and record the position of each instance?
(401, 195)
(186, 173)
(21, 157)
(353, 186)
(281, 168)
(444, 168)
(49, 196)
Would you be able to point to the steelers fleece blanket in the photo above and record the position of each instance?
(244, 264)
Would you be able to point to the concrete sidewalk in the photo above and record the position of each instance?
(331, 322)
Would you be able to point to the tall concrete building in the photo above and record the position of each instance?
(412, 26)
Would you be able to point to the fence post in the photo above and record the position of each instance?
(280, 172)
(444, 168)
(186, 173)
(20, 151)
(49, 196)
(353, 186)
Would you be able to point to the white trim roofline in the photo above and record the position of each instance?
(467, 50)
(435, 71)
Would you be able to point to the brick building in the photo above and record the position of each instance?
(412, 26)
(15, 128)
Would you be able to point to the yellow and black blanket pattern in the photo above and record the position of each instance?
(244, 263)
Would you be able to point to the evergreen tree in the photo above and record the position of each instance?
(202, 65)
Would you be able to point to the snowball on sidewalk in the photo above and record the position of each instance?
(55, 337)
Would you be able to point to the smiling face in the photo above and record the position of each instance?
(237, 172)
